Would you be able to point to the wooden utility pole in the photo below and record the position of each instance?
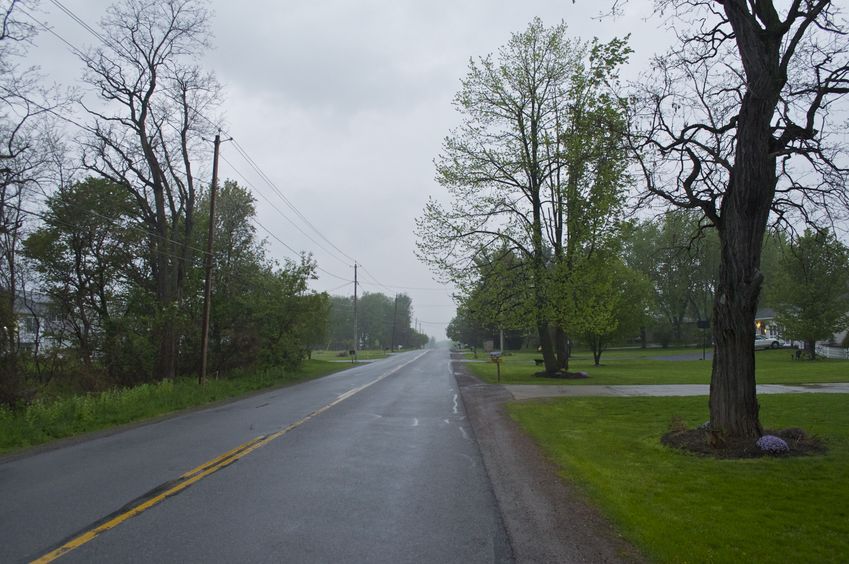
(394, 322)
(355, 312)
(207, 286)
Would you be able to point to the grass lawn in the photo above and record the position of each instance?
(644, 366)
(44, 421)
(683, 508)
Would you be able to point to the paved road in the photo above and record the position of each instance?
(374, 464)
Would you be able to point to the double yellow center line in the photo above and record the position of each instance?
(196, 474)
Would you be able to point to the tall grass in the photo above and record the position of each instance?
(44, 420)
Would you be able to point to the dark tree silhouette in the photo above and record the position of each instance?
(739, 121)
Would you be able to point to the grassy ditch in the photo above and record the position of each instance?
(661, 366)
(680, 507)
(343, 355)
(44, 421)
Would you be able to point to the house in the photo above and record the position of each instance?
(38, 324)
(766, 325)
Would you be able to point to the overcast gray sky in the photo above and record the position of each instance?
(344, 105)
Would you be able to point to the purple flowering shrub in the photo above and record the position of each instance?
(773, 444)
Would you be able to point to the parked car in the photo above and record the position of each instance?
(762, 342)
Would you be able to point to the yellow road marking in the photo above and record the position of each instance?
(207, 468)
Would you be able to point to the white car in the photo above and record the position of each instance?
(762, 342)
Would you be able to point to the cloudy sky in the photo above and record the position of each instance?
(343, 104)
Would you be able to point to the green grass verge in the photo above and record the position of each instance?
(343, 355)
(643, 366)
(44, 421)
(683, 508)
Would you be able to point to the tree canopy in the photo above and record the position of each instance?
(536, 168)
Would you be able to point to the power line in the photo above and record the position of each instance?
(420, 289)
(251, 162)
(338, 287)
(286, 200)
(44, 217)
(278, 210)
(241, 150)
(298, 253)
(80, 21)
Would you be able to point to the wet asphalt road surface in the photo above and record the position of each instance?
(381, 466)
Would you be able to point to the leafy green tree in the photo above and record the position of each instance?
(403, 321)
(681, 259)
(340, 323)
(536, 167)
(86, 253)
(600, 299)
(374, 320)
(500, 296)
(811, 290)
(262, 312)
(284, 318)
(382, 321)
(466, 330)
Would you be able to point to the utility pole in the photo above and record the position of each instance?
(394, 321)
(207, 285)
(355, 312)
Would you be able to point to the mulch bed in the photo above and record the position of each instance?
(697, 441)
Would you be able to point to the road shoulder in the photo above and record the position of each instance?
(547, 518)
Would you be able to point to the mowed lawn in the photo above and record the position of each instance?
(660, 366)
(678, 507)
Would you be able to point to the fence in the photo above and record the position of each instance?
(832, 352)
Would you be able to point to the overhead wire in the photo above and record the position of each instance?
(298, 253)
(44, 217)
(286, 200)
(278, 210)
(243, 153)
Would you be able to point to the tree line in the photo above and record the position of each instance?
(103, 232)
(382, 322)
(659, 289)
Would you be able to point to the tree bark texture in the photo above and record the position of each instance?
(745, 210)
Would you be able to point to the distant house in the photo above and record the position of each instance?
(38, 324)
(766, 325)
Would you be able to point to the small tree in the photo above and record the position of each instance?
(811, 290)
(600, 299)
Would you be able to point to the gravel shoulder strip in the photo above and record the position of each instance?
(547, 519)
